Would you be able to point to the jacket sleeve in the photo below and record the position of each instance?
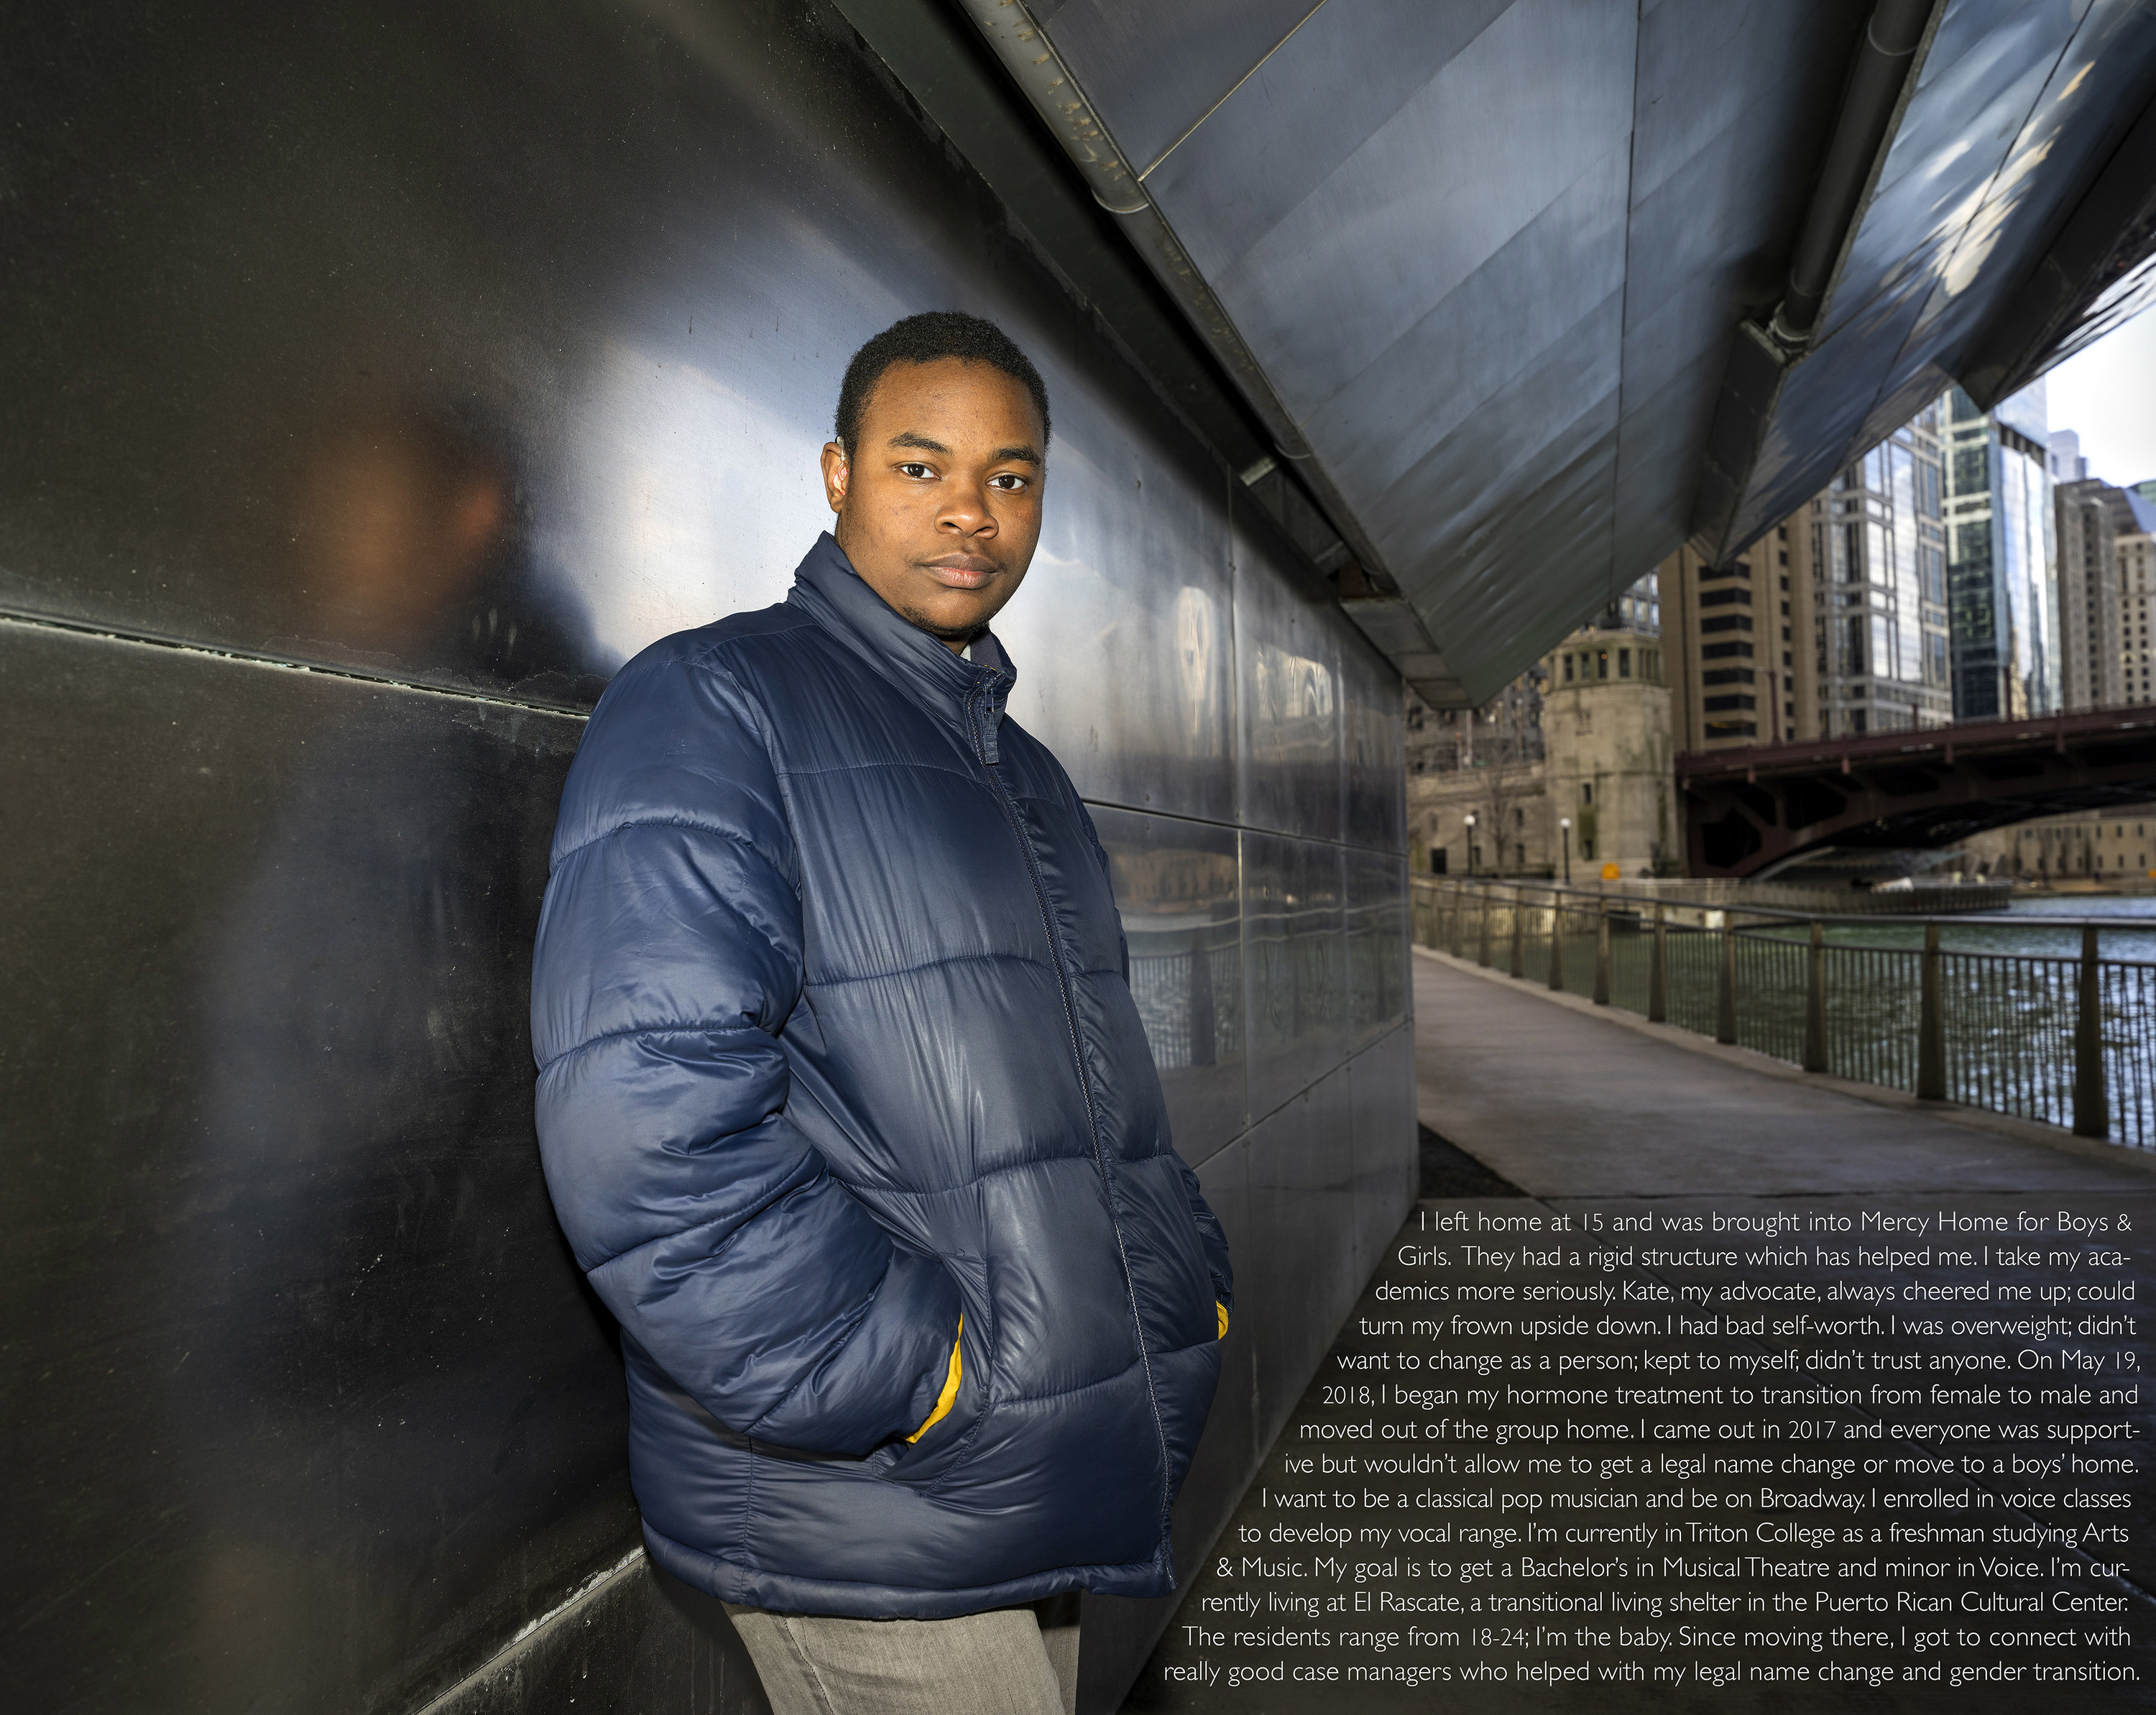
(669, 958)
(1209, 1232)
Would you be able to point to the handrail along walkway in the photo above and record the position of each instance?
(2067, 1040)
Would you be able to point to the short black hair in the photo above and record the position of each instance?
(923, 339)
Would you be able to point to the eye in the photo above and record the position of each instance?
(1010, 481)
(919, 472)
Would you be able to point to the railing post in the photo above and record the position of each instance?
(1556, 940)
(1602, 952)
(1725, 990)
(2091, 1111)
(1519, 932)
(1931, 1024)
(1815, 1001)
(1658, 973)
(1482, 937)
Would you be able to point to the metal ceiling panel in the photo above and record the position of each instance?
(1460, 358)
(1429, 196)
(2016, 110)
(1261, 155)
(1159, 68)
(1497, 275)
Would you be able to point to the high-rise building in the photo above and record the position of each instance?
(2133, 550)
(1736, 641)
(2002, 562)
(2091, 661)
(2064, 456)
(1881, 647)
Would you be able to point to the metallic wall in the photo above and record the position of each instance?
(372, 384)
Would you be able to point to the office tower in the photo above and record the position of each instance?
(2065, 459)
(2002, 562)
(1737, 643)
(2089, 661)
(1881, 645)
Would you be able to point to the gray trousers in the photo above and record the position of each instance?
(1006, 1661)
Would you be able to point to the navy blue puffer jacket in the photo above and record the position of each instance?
(836, 1043)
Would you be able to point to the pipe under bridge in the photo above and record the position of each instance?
(1748, 811)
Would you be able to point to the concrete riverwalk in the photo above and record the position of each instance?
(1563, 1110)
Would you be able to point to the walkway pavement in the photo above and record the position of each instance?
(1587, 1113)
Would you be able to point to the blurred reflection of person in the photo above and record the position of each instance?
(344, 1417)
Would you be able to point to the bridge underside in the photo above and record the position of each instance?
(1748, 812)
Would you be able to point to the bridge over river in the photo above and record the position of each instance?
(1544, 1105)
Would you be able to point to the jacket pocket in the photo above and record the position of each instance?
(948, 1442)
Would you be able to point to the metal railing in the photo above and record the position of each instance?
(2068, 1039)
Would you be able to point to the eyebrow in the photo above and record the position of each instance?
(1021, 453)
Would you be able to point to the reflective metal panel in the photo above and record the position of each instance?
(1161, 68)
(1124, 633)
(1382, 1078)
(372, 396)
(463, 346)
(1178, 887)
(1431, 192)
(1287, 670)
(1374, 734)
(1302, 1223)
(1376, 942)
(321, 1401)
(1295, 963)
(1263, 152)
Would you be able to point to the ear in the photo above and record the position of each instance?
(836, 471)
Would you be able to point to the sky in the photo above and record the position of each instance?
(2106, 395)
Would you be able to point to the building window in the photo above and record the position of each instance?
(1587, 791)
(1568, 668)
(1602, 664)
(1624, 664)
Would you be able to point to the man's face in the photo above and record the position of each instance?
(939, 505)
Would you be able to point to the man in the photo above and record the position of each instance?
(845, 1106)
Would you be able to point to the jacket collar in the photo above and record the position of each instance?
(969, 694)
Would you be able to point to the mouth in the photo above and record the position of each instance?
(961, 571)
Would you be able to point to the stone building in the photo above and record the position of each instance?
(1573, 762)
(2114, 846)
(2134, 548)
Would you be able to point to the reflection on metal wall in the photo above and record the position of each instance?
(453, 352)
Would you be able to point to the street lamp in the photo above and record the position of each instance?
(1564, 827)
(1469, 820)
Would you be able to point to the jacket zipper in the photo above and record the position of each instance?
(1085, 1086)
